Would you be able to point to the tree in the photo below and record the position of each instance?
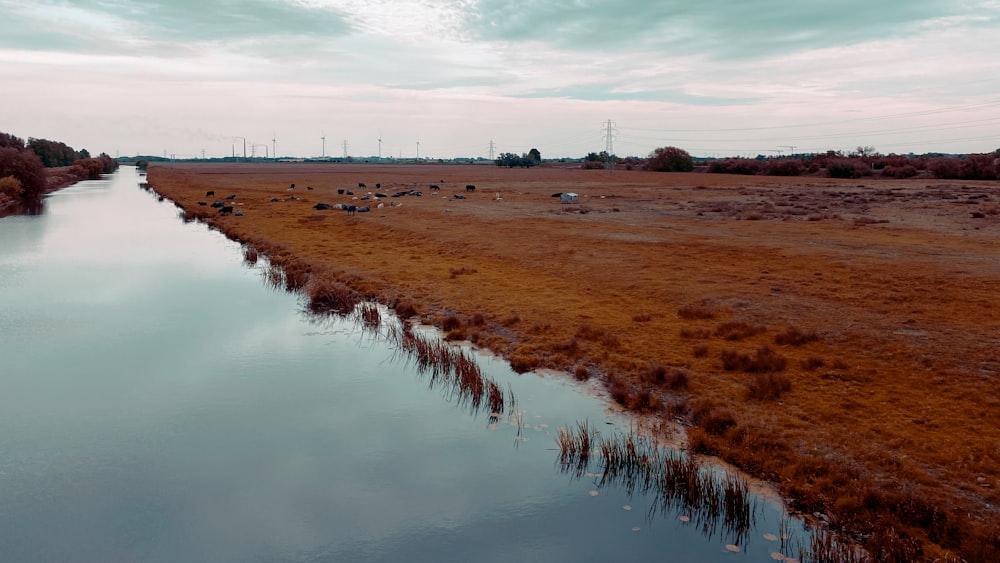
(27, 168)
(84, 153)
(10, 186)
(535, 157)
(53, 153)
(670, 159)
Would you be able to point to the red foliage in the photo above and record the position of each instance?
(670, 159)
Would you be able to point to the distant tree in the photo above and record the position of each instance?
(10, 141)
(84, 153)
(535, 157)
(53, 153)
(27, 168)
(594, 157)
(508, 159)
(141, 164)
(670, 159)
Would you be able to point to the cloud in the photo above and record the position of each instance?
(719, 29)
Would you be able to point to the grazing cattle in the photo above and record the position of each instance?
(226, 210)
(459, 197)
(202, 203)
(349, 192)
(340, 191)
(380, 205)
(322, 206)
(293, 198)
(274, 199)
(365, 197)
(217, 204)
(435, 187)
(361, 186)
(309, 187)
(239, 213)
(378, 186)
(399, 194)
(470, 188)
(415, 193)
(231, 196)
(209, 194)
(350, 209)
(557, 194)
(292, 187)
(381, 195)
(364, 209)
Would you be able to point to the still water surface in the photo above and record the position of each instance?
(159, 403)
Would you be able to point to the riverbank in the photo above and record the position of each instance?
(835, 337)
(56, 179)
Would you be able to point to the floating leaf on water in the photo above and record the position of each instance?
(594, 493)
(636, 529)
(770, 537)
(627, 507)
(732, 547)
(777, 556)
(685, 518)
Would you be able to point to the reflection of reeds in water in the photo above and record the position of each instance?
(677, 481)
(450, 368)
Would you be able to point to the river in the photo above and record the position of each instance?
(158, 402)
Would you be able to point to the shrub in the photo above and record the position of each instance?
(944, 167)
(764, 360)
(405, 309)
(581, 373)
(10, 186)
(978, 167)
(813, 362)
(695, 312)
(784, 167)
(670, 159)
(712, 418)
(746, 166)
(905, 171)
(27, 168)
(795, 337)
(700, 351)
(847, 168)
(768, 386)
(695, 333)
(450, 322)
(738, 330)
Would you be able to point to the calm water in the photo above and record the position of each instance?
(159, 403)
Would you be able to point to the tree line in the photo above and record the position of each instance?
(23, 166)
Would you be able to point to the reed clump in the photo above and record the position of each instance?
(329, 297)
(677, 481)
(692, 312)
(792, 336)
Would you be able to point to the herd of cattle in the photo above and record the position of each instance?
(225, 206)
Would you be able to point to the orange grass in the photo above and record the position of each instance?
(904, 404)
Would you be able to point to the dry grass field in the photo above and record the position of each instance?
(837, 337)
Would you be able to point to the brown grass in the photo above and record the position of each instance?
(907, 337)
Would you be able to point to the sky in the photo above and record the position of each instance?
(471, 78)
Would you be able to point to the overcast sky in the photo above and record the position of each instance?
(447, 77)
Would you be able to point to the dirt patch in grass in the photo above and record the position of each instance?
(896, 402)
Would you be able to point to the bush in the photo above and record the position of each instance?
(746, 166)
(847, 168)
(670, 159)
(10, 186)
(27, 168)
(768, 386)
(784, 167)
(905, 171)
(944, 167)
(795, 337)
(978, 167)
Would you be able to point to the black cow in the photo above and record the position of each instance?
(226, 210)
(459, 197)
(350, 209)
(309, 187)
(435, 187)
(381, 195)
(364, 209)
(322, 206)
(202, 203)
(340, 191)
(361, 186)
(292, 187)
(274, 199)
(231, 196)
(209, 194)
(378, 186)
(217, 204)
(349, 192)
